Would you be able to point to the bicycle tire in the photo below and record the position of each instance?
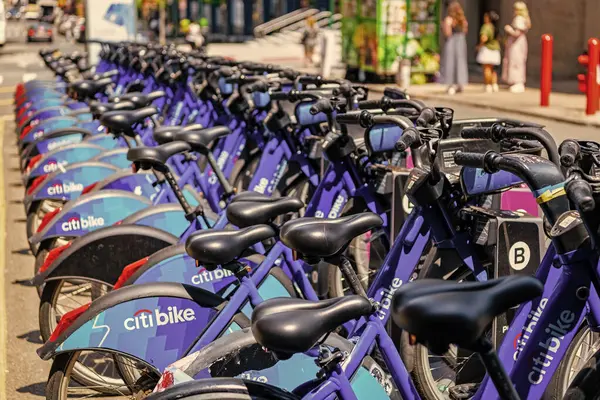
(225, 356)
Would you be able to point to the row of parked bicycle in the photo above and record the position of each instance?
(205, 228)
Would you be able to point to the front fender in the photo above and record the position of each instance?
(101, 255)
(91, 212)
(156, 323)
(68, 184)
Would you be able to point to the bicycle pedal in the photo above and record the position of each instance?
(463, 391)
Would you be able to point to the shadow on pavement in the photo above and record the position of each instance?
(38, 389)
(32, 337)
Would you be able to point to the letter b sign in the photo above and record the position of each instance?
(519, 255)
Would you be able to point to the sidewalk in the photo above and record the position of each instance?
(563, 107)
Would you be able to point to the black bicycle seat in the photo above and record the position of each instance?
(138, 98)
(166, 134)
(97, 108)
(201, 139)
(288, 326)
(123, 121)
(219, 247)
(243, 213)
(318, 237)
(440, 313)
(156, 157)
(89, 88)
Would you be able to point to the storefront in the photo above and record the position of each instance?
(376, 34)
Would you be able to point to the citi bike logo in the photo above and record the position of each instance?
(60, 143)
(38, 134)
(557, 331)
(53, 166)
(77, 223)
(386, 301)
(147, 319)
(210, 276)
(64, 188)
(531, 322)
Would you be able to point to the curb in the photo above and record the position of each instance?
(462, 101)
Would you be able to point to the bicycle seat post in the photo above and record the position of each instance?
(349, 274)
(496, 370)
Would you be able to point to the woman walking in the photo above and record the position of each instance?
(488, 54)
(514, 69)
(454, 60)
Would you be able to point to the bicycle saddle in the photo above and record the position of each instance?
(138, 98)
(243, 213)
(201, 139)
(89, 88)
(122, 121)
(440, 313)
(166, 134)
(97, 108)
(156, 157)
(219, 247)
(320, 237)
(288, 326)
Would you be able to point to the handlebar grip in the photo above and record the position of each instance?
(279, 96)
(569, 151)
(349, 118)
(427, 117)
(369, 104)
(580, 193)
(477, 132)
(475, 160)
(409, 136)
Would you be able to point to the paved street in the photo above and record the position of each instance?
(22, 373)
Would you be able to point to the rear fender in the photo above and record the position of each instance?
(166, 217)
(31, 133)
(172, 264)
(140, 183)
(42, 115)
(54, 140)
(61, 157)
(102, 255)
(156, 323)
(68, 184)
(116, 157)
(91, 212)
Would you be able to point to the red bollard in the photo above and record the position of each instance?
(593, 88)
(546, 74)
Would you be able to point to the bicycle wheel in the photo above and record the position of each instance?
(35, 217)
(238, 355)
(92, 369)
(63, 384)
(224, 389)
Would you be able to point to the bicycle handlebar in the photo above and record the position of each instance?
(498, 132)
